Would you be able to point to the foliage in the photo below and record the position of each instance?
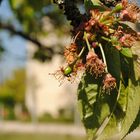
(47, 118)
(38, 136)
(13, 90)
(30, 14)
(105, 48)
(1, 49)
(29, 22)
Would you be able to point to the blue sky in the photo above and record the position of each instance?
(15, 55)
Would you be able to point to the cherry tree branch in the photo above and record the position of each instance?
(71, 11)
(11, 29)
(0, 1)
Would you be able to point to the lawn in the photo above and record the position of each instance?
(14, 136)
(32, 136)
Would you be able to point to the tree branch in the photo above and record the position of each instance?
(0, 2)
(11, 29)
(43, 53)
(71, 11)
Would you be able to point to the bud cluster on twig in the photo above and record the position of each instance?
(92, 34)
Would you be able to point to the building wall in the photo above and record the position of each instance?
(44, 95)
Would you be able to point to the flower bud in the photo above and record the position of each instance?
(67, 71)
(109, 83)
(118, 7)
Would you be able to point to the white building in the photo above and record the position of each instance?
(44, 95)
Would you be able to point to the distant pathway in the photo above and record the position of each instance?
(18, 127)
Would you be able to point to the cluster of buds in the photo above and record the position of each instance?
(70, 53)
(130, 12)
(97, 29)
(94, 65)
(109, 83)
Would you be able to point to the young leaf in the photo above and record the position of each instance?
(135, 124)
(93, 108)
(136, 57)
(126, 52)
(93, 4)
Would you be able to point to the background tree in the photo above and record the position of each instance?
(30, 15)
(12, 91)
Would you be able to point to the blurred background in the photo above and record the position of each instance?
(32, 104)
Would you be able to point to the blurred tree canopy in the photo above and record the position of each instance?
(29, 22)
(13, 89)
(30, 15)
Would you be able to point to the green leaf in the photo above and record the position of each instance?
(2, 49)
(131, 118)
(126, 52)
(15, 4)
(93, 108)
(108, 116)
(93, 4)
(133, 106)
(132, 26)
(124, 125)
(135, 124)
(112, 120)
(113, 62)
(136, 57)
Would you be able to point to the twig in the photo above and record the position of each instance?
(0, 2)
(38, 44)
(11, 29)
(103, 55)
(71, 11)
(87, 42)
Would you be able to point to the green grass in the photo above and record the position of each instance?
(13, 136)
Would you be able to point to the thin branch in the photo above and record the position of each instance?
(11, 29)
(103, 55)
(0, 2)
(71, 11)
